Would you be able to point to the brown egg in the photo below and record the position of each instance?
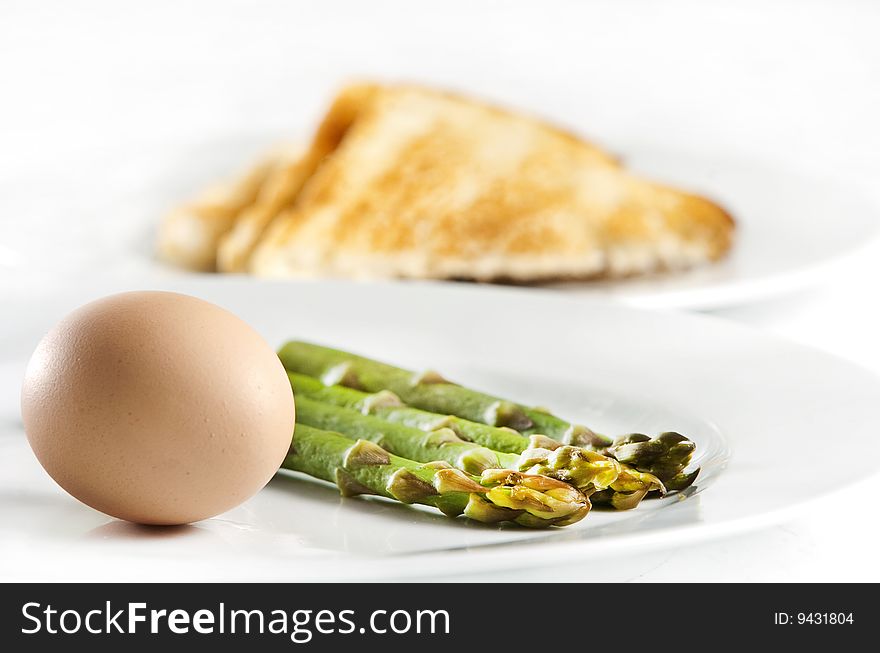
(157, 407)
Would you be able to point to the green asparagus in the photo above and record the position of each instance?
(665, 456)
(585, 470)
(388, 406)
(431, 392)
(441, 444)
(363, 467)
(620, 486)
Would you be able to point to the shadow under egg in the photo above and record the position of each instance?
(123, 530)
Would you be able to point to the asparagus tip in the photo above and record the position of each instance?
(406, 487)
(437, 464)
(441, 436)
(481, 510)
(682, 480)
(506, 413)
(381, 399)
(581, 436)
(539, 441)
(455, 480)
(478, 459)
(628, 500)
(342, 374)
(428, 377)
(364, 454)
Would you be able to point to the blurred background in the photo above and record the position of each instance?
(163, 97)
(156, 99)
(796, 80)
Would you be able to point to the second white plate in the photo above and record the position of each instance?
(791, 227)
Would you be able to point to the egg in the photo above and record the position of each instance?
(157, 407)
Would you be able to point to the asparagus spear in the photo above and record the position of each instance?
(665, 456)
(362, 467)
(620, 486)
(388, 406)
(587, 471)
(429, 391)
(442, 444)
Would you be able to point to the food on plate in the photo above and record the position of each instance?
(128, 406)
(190, 234)
(161, 408)
(362, 467)
(277, 193)
(425, 417)
(407, 181)
(372, 417)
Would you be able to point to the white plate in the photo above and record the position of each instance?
(791, 416)
(792, 227)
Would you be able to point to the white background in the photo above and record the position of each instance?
(797, 83)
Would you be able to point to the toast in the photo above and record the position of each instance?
(281, 187)
(408, 182)
(189, 235)
(405, 181)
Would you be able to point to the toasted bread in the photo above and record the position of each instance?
(188, 235)
(284, 182)
(408, 182)
(278, 190)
